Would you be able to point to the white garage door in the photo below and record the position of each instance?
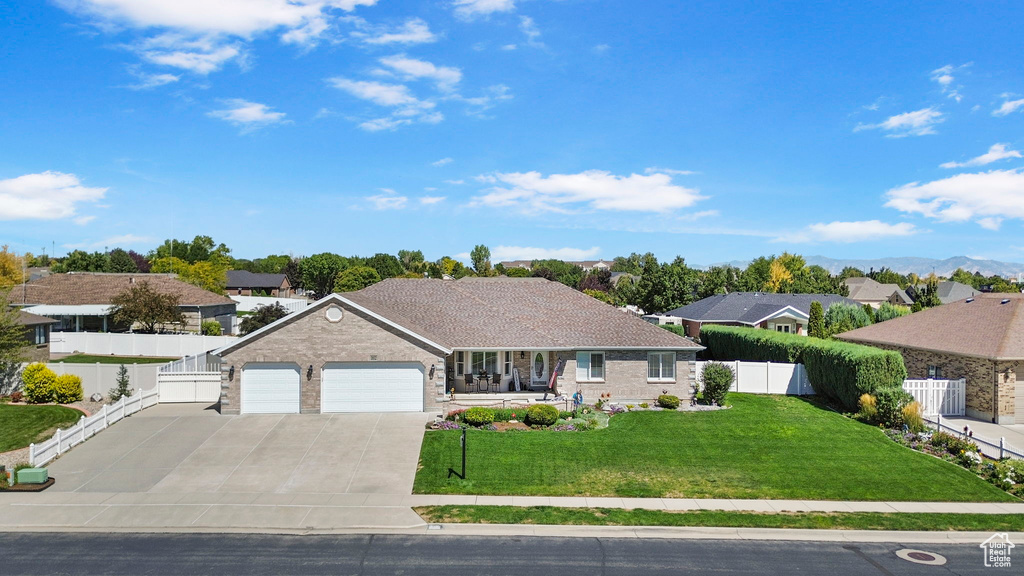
(372, 387)
(270, 389)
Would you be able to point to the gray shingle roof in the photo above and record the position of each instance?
(950, 291)
(246, 279)
(751, 307)
(864, 289)
(511, 313)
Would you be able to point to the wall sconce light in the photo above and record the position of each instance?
(231, 373)
(432, 368)
(309, 372)
(522, 355)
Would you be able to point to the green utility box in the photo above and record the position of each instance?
(33, 476)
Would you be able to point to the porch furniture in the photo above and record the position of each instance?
(469, 382)
(483, 383)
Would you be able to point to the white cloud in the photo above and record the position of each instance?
(600, 49)
(916, 123)
(377, 92)
(248, 115)
(113, 242)
(500, 253)
(590, 190)
(491, 96)
(388, 199)
(469, 9)
(995, 153)
(944, 78)
(412, 69)
(670, 171)
(220, 25)
(848, 232)
(442, 162)
(430, 200)
(1008, 107)
(44, 196)
(984, 197)
(529, 28)
(414, 31)
(147, 81)
(455, 182)
(508, 47)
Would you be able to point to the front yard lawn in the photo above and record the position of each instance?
(765, 447)
(96, 358)
(22, 425)
(805, 520)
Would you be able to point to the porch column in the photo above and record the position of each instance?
(78, 323)
(104, 323)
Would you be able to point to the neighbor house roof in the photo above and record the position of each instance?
(752, 307)
(246, 279)
(864, 289)
(985, 326)
(499, 313)
(27, 319)
(78, 288)
(950, 291)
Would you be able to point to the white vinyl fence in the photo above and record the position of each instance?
(106, 343)
(991, 447)
(63, 440)
(198, 363)
(939, 397)
(249, 303)
(100, 378)
(189, 387)
(765, 378)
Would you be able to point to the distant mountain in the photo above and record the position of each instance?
(908, 264)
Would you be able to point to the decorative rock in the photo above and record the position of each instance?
(97, 397)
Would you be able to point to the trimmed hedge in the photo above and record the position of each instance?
(839, 371)
(479, 416)
(678, 330)
(541, 415)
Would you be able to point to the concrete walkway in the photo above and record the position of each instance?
(1014, 433)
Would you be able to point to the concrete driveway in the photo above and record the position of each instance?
(186, 449)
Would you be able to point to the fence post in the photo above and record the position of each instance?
(103, 410)
(938, 421)
(58, 441)
(1002, 447)
(81, 424)
(31, 456)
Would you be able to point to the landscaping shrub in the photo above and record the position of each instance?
(913, 418)
(889, 311)
(668, 401)
(890, 403)
(752, 344)
(211, 328)
(952, 444)
(541, 415)
(17, 396)
(679, 330)
(67, 388)
(868, 409)
(479, 416)
(37, 383)
(565, 415)
(717, 379)
(841, 318)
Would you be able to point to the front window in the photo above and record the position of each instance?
(40, 335)
(782, 328)
(935, 372)
(661, 366)
(589, 366)
(485, 362)
(460, 363)
(508, 363)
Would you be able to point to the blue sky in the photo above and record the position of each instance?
(575, 128)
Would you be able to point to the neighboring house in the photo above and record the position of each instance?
(405, 344)
(81, 301)
(663, 320)
(245, 283)
(980, 339)
(780, 312)
(37, 335)
(867, 291)
(949, 291)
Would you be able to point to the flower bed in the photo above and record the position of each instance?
(516, 418)
(1006, 474)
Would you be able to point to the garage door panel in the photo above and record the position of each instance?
(372, 387)
(270, 389)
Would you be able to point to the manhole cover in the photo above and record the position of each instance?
(921, 557)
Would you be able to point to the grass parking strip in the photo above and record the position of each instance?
(550, 515)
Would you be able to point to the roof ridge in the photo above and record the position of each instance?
(1001, 351)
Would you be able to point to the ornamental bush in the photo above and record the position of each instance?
(67, 388)
(717, 379)
(541, 415)
(479, 416)
(37, 383)
(868, 409)
(913, 417)
(668, 401)
(211, 328)
(890, 402)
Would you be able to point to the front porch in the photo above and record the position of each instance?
(507, 400)
(490, 372)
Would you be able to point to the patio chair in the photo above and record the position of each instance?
(495, 382)
(469, 382)
(483, 383)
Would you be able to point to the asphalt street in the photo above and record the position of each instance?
(252, 555)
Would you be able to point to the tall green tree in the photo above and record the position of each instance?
(757, 274)
(481, 258)
(82, 261)
(320, 270)
(412, 260)
(293, 271)
(261, 316)
(652, 287)
(121, 261)
(816, 321)
(719, 280)
(356, 278)
(13, 345)
(141, 304)
(386, 265)
(842, 317)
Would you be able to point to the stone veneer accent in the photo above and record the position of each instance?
(990, 393)
(313, 340)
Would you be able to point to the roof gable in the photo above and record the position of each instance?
(752, 307)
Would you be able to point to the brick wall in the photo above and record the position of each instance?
(626, 377)
(313, 340)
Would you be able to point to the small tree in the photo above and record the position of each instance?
(123, 388)
(142, 305)
(356, 278)
(261, 316)
(481, 258)
(842, 317)
(816, 322)
(717, 379)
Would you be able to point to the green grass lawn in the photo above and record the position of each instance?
(22, 425)
(766, 447)
(805, 520)
(93, 359)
